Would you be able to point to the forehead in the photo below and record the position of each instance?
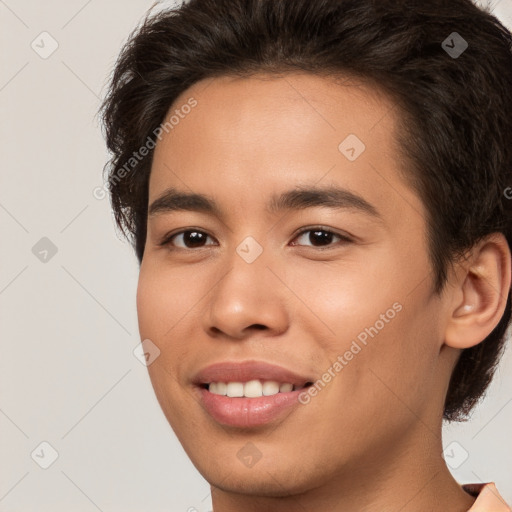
(261, 132)
(295, 107)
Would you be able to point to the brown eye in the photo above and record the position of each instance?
(188, 239)
(319, 237)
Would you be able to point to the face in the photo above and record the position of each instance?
(331, 286)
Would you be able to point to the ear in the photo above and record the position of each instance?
(480, 292)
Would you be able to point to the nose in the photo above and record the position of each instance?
(247, 298)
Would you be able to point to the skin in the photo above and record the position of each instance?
(371, 439)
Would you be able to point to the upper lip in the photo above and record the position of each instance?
(243, 371)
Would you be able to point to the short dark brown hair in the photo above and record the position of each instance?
(455, 110)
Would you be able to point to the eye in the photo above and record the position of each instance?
(195, 239)
(320, 237)
(189, 239)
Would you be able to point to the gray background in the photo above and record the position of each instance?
(68, 375)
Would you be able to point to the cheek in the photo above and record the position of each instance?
(379, 322)
(393, 371)
(158, 321)
(163, 298)
(350, 299)
(158, 314)
(150, 305)
(168, 310)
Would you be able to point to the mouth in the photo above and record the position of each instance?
(249, 393)
(253, 388)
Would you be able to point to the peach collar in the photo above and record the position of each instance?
(488, 499)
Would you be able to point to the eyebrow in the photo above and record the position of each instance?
(296, 199)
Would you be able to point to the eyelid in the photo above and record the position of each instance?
(343, 236)
(166, 240)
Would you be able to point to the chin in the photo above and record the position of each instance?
(270, 476)
(259, 483)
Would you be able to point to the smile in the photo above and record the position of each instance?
(251, 389)
(248, 393)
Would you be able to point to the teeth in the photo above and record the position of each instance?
(250, 389)
(235, 389)
(270, 387)
(253, 388)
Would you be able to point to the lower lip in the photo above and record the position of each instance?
(248, 412)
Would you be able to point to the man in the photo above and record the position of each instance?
(316, 193)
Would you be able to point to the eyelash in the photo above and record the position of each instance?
(168, 238)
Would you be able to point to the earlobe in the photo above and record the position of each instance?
(480, 294)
